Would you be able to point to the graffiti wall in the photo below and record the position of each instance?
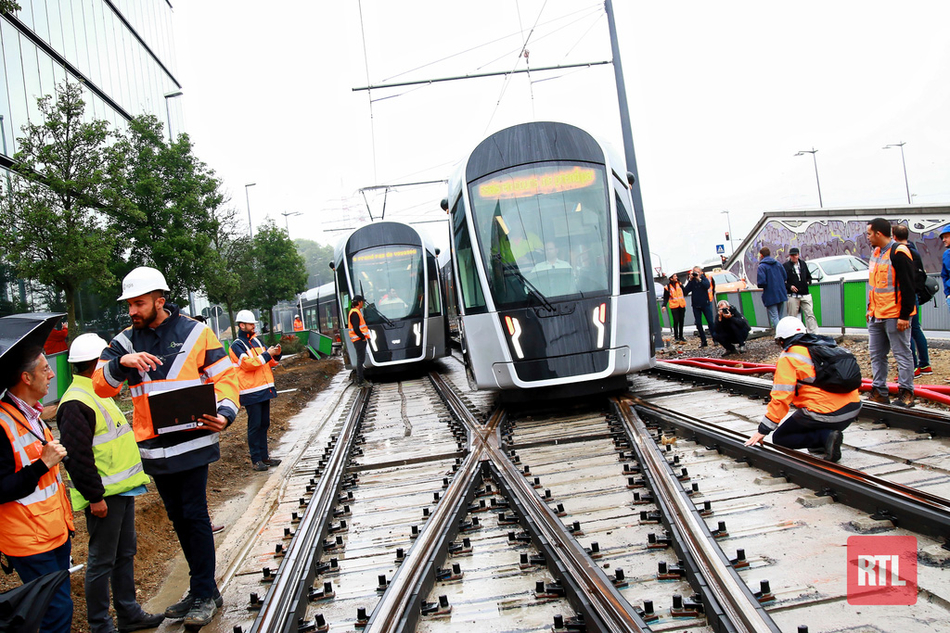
(825, 237)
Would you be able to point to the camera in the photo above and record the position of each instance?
(694, 274)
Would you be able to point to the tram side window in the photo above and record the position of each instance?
(435, 305)
(473, 300)
(630, 274)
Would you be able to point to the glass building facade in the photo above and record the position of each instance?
(122, 51)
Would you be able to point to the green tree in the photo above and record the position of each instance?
(279, 271)
(226, 279)
(317, 258)
(54, 228)
(8, 6)
(170, 223)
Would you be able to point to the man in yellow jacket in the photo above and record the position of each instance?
(107, 475)
(820, 416)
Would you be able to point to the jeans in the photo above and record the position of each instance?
(186, 502)
(698, 314)
(918, 342)
(883, 337)
(360, 359)
(806, 305)
(776, 312)
(258, 421)
(800, 431)
(112, 547)
(59, 614)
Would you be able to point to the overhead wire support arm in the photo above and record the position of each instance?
(480, 75)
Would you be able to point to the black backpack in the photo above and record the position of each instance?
(925, 287)
(836, 369)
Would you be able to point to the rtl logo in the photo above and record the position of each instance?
(882, 570)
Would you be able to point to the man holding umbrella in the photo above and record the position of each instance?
(35, 516)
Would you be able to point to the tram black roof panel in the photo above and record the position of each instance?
(382, 234)
(528, 143)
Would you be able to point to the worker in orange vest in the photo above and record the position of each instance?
(359, 333)
(298, 324)
(36, 519)
(673, 297)
(892, 301)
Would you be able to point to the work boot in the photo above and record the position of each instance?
(143, 621)
(905, 398)
(833, 446)
(201, 612)
(272, 461)
(180, 609)
(259, 466)
(878, 397)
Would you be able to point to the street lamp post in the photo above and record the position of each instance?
(732, 246)
(813, 151)
(168, 114)
(903, 164)
(289, 214)
(247, 197)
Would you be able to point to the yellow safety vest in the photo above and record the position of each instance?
(113, 444)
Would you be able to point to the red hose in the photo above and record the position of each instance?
(934, 393)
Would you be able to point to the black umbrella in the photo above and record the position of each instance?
(20, 333)
(22, 609)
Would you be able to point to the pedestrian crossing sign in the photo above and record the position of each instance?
(720, 249)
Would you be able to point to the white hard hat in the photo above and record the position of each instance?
(86, 347)
(245, 316)
(789, 327)
(296, 316)
(141, 281)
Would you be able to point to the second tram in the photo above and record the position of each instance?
(394, 268)
(547, 260)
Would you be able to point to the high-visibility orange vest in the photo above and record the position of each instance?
(41, 521)
(677, 300)
(298, 325)
(363, 328)
(796, 365)
(884, 298)
(712, 291)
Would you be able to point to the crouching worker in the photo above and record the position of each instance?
(732, 329)
(818, 378)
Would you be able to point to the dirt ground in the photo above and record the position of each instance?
(157, 543)
(764, 350)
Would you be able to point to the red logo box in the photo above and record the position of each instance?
(882, 570)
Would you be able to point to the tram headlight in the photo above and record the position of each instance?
(372, 339)
(600, 320)
(417, 330)
(514, 331)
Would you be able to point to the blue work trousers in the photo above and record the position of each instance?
(185, 495)
(112, 547)
(59, 613)
(918, 342)
(258, 422)
(775, 311)
(800, 431)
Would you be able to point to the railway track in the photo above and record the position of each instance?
(423, 507)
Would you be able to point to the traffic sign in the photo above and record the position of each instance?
(720, 249)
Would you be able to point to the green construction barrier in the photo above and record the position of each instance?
(855, 304)
(815, 293)
(748, 308)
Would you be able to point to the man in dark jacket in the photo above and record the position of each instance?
(918, 342)
(771, 279)
(797, 278)
(701, 291)
(732, 329)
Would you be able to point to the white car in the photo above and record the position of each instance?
(838, 268)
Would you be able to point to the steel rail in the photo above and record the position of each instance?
(400, 606)
(593, 593)
(728, 602)
(921, 421)
(910, 508)
(286, 599)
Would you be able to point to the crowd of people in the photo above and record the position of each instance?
(109, 461)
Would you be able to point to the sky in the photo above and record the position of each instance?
(722, 96)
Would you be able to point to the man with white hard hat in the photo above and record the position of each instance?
(256, 381)
(822, 411)
(107, 475)
(163, 352)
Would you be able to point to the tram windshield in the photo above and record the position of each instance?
(390, 280)
(544, 232)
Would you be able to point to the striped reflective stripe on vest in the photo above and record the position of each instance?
(179, 449)
(19, 445)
